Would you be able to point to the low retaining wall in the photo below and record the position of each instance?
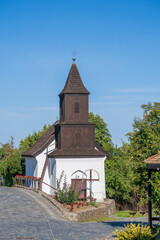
(105, 209)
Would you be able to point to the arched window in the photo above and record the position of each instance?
(76, 107)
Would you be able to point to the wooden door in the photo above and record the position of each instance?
(81, 186)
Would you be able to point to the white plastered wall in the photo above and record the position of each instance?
(34, 167)
(50, 172)
(70, 165)
(31, 166)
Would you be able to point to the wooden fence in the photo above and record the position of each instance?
(28, 181)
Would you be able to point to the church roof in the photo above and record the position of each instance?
(41, 143)
(107, 154)
(49, 136)
(79, 153)
(153, 162)
(74, 82)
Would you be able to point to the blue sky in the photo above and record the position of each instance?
(118, 57)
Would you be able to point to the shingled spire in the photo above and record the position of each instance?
(74, 135)
(74, 82)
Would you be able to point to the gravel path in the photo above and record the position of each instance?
(24, 216)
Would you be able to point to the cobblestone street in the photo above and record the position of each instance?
(24, 216)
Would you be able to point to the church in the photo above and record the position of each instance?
(68, 147)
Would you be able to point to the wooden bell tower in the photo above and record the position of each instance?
(74, 99)
(74, 135)
(75, 132)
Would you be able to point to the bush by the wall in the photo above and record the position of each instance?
(133, 232)
(65, 192)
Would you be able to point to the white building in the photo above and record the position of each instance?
(69, 146)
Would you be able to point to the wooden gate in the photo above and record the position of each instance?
(81, 186)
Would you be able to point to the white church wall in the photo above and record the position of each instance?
(49, 177)
(70, 165)
(41, 158)
(31, 167)
(34, 167)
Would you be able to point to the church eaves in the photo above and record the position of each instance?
(74, 82)
(41, 143)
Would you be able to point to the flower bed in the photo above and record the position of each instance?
(78, 206)
(28, 181)
(26, 177)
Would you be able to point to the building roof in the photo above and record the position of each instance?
(74, 82)
(77, 153)
(153, 162)
(49, 136)
(41, 143)
(107, 154)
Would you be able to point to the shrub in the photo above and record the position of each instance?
(10, 167)
(133, 232)
(66, 194)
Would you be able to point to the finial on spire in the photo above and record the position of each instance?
(74, 56)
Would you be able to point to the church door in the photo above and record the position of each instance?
(81, 186)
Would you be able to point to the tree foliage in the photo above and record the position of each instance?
(26, 143)
(144, 142)
(118, 176)
(102, 134)
(6, 149)
(10, 162)
(11, 167)
(117, 171)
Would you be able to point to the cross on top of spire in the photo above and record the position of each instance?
(74, 56)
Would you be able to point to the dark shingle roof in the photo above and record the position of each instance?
(41, 143)
(49, 136)
(102, 150)
(90, 153)
(74, 82)
(153, 162)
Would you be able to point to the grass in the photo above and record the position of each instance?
(126, 214)
(117, 214)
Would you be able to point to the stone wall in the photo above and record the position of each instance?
(105, 209)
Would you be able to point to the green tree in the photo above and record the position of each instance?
(118, 176)
(6, 149)
(144, 142)
(102, 135)
(2, 154)
(26, 143)
(11, 167)
(117, 171)
(10, 162)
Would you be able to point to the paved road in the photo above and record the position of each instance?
(24, 216)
